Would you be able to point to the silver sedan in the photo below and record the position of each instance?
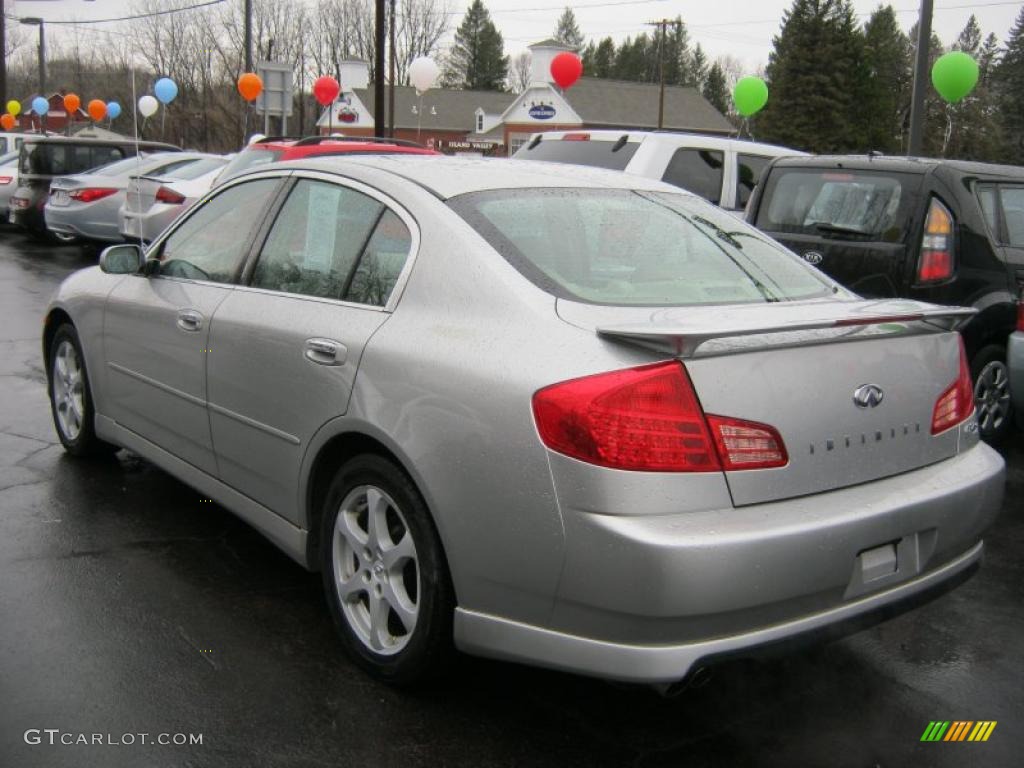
(548, 414)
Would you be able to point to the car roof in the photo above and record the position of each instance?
(902, 164)
(103, 142)
(329, 145)
(676, 138)
(447, 177)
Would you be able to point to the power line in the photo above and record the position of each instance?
(130, 18)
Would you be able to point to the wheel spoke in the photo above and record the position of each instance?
(396, 597)
(399, 553)
(376, 519)
(348, 528)
(349, 589)
(378, 621)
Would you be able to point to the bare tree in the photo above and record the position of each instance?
(519, 73)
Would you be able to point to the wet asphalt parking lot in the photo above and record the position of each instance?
(130, 606)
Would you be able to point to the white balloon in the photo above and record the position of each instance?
(423, 73)
(148, 106)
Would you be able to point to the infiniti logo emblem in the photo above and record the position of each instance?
(867, 396)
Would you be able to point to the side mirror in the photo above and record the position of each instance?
(122, 259)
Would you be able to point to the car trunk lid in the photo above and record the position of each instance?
(141, 193)
(799, 367)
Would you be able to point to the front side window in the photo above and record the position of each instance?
(211, 244)
(624, 247)
(698, 171)
(333, 242)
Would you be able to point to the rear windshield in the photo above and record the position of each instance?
(63, 159)
(598, 154)
(121, 167)
(249, 158)
(623, 247)
(857, 203)
(196, 169)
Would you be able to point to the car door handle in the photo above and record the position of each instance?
(325, 352)
(189, 320)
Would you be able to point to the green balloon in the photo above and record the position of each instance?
(750, 95)
(954, 76)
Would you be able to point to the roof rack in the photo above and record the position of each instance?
(270, 139)
(312, 140)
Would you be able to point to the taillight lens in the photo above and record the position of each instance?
(6, 179)
(1020, 315)
(165, 195)
(91, 194)
(649, 419)
(956, 403)
(935, 262)
(747, 444)
(576, 137)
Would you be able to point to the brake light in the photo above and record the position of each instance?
(1020, 315)
(747, 444)
(957, 402)
(6, 179)
(91, 194)
(576, 137)
(165, 195)
(648, 419)
(935, 262)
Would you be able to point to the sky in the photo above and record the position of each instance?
(742, 28)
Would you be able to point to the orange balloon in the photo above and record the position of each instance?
(97, 110)
(7, 121)
(250, 86)
(72, 103)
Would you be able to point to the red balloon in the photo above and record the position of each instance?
(566, 69)
(326, 90)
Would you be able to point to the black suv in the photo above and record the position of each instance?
(944, 231)
(44, 157)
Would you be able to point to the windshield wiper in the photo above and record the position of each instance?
(835, 229)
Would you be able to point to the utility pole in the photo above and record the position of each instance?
(917, 108)
(391, 73)
(248, 35)
(3, 55)
(379, 125)
(663, 27)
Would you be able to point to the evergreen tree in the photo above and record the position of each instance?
(886, 99)
(969, 40)
(936, 118)
(1008, 82)
(477, 60)
(567, 31)
(698, 72)
(633, 59)
(604, 59)
(716, 90)
(816, 74)
(972, 124)
(988, 59)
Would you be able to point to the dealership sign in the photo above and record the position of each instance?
(542, 111)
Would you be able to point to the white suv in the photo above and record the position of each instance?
(723, 171)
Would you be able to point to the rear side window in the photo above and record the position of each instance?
(66, 158)
(623, 247)
(698, 171)
(748, 173)
(1013, 213)
(838, 202)
(597, 154)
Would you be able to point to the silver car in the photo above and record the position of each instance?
(155, 200)
(551, 414)
(8, 180)
(86, 205)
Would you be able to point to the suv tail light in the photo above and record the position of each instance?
(956, 403)
(91, 194)
(166, 195)
(648, 419)
(576, 137)
(935, 262)
(1020, 314)
(6, 179)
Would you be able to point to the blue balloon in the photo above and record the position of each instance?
(113, 110)
(165, 90)
(40, 105)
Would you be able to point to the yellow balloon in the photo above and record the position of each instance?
(14, 107)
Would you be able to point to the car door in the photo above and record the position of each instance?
(285, 347)
(156, 327)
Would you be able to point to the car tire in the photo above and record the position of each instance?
(387, 582)
(71, 396)
(991, 378)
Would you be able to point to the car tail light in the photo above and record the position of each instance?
(956, 403)
(18, 202)
(6, 179)
(935, 262)
(166, 195)
(747, 444)
(91, 194)
(576, 137)
(648, 419)
(1020, 314)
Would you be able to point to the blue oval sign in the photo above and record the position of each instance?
(542, 112)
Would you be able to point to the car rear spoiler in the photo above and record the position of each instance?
(683, 338)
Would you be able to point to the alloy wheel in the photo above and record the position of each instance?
(992, 396)
(68, 390)
(376, 570)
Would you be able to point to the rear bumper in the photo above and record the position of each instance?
(646, 598)
(74, 221)
(1015, 360)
